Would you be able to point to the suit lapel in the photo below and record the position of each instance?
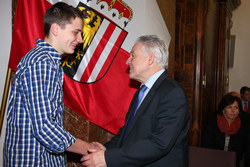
(147, 99)
(129, 112)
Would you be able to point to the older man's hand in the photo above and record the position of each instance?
(95, 158)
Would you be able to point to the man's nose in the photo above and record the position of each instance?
(128, 60)
(79, 38)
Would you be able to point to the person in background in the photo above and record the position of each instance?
(245, 98)
(228, 129)
(156, 130)
(35, 135)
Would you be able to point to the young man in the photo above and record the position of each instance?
(156, 127)
(35, 135)
(245, 98)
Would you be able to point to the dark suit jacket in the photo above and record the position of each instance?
(158, 135)
(248, 107)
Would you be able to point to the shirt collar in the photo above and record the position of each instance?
(51, 50)
(149, 83)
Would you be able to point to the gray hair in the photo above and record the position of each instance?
(153, 44)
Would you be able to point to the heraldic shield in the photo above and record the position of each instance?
(102, 39)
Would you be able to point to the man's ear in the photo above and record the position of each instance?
(54, 29)
(151, 58)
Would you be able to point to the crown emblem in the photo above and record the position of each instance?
(116, 10)
(102, 38)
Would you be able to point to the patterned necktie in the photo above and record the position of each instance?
(245, 106)
(134, 109)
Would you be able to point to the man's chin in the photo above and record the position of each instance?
(131, 76)
(70, 52)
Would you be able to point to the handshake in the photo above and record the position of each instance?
(94, 157)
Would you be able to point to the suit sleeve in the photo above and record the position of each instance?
(171, 117)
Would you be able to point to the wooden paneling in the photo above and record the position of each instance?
(187, 62)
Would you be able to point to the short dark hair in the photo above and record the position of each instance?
(244, 89)
(60, 13)
(227, 100)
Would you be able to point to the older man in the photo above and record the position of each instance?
(156, 126)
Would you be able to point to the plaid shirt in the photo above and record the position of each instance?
(35, 135)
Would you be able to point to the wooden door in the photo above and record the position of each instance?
(209, 63)
(226, 8)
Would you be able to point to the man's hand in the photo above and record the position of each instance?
(80, 147)
(95, 158)
(98, 146)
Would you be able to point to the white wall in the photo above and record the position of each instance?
(5, 40)
(5, 43)
(239, 74)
